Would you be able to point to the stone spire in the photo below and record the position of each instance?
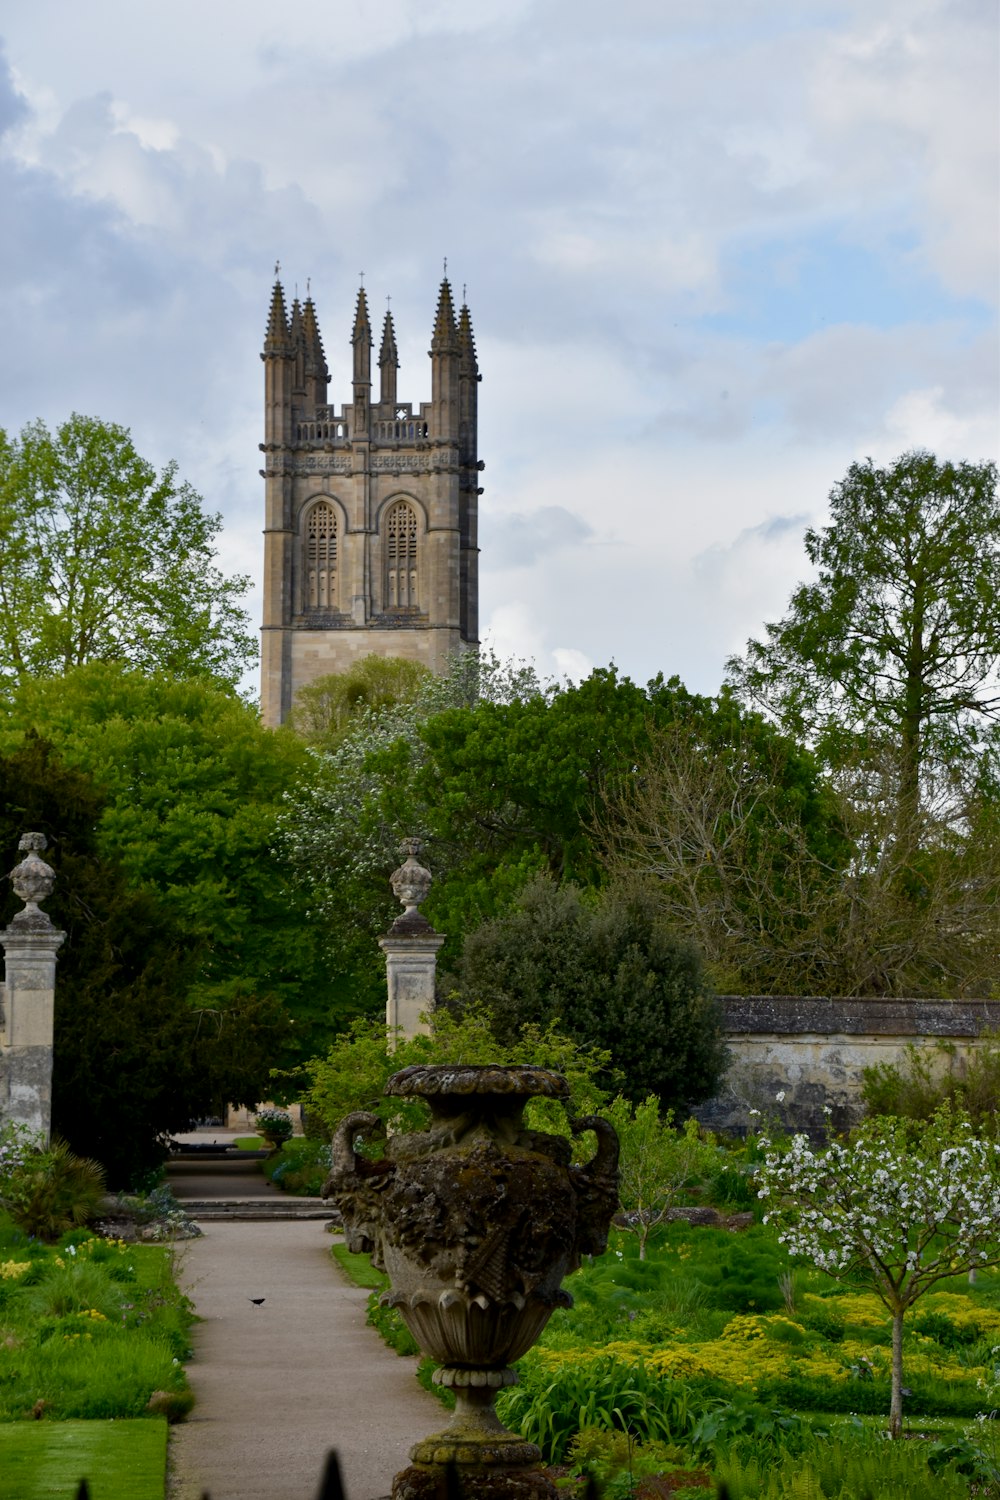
(445, 338)
(388, 361)
(467, 343)
(361, 338)
(316, 366)
(276, 339)
(296, 337)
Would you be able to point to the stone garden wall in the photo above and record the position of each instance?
(813, 1051)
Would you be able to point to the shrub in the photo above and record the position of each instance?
(50, 1189)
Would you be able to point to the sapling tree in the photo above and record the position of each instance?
(896, 1208)
(657, 1162)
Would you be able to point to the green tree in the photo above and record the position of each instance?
(656, 1164)
(741, 838)
(192, 787)
(897, 641)
(895, 1208)
(101, 559)
(354, 1072)
(610, 973)
(325, 709)
(134, 1058)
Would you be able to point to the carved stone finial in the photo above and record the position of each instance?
(411, 882)
(32, 880)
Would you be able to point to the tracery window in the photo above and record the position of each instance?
(321, 557)
(401, 557)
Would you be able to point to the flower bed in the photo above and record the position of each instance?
(90, 1328)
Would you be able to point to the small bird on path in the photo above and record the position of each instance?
(255, 1300)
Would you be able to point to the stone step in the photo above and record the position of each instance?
(259, 1208)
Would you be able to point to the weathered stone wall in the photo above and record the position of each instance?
(814, 1050)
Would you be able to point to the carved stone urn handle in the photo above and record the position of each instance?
(596, 1186)
(355, 1181)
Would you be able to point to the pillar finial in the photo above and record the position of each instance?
(32, 880)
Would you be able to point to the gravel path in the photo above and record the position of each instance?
(277, 1385)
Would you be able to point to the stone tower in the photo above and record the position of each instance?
(370, 532)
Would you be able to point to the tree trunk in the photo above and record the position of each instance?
(896, 1405)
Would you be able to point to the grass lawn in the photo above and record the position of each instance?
(358, 1268)
(119, 1460)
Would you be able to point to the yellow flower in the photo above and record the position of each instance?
(9, 1269)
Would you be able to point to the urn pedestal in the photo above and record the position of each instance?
(475, 1220)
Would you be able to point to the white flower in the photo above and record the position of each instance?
(754, 1114)
(780, 1096)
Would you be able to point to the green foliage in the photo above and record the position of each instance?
(355, 1070)
(390, 1326)
(92, 1330)
(326, 708)
(930, 1077)
(849, 1467)
(52, 1190)
(190, 788)
(889, 664)
(549, 1407)
(103, 560)
(301, 1166)
(899, 637)
(358, 1268)
(275, 1125)
(656, 1165)
(134, 1058)
(614, 975)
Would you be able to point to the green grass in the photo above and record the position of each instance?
(359, 1269)
(119, 1460)
(249, 1143)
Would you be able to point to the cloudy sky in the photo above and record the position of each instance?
(715, 250)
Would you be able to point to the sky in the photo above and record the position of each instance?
(714, 250)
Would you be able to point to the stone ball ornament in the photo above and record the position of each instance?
(33, 881)
(476, 1220)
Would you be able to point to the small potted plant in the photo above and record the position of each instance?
(275, 1125)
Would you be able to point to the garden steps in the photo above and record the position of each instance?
(260, 1209)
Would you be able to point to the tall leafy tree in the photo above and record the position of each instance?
(897, 640)
(192, 787)
(609, 972)
(103, 559)
(135, 1056)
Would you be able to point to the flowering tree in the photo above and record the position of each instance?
(897, 1209)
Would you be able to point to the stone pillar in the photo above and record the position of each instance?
(410, 947)
(27, 997)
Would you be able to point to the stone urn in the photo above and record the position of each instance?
(475, 1220)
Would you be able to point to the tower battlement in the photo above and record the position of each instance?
(371, 508)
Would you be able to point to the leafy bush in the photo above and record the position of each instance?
(553, 1403)
(47, 1189)
(390, 1326)
(301, 1166)
(929, 1077)
(275, 1125)
(92, 1330)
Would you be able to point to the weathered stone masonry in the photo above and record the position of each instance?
(814, 1051)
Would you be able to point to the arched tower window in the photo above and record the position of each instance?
(321, 557)
(401, 557)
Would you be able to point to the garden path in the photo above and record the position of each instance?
(277, 1385)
